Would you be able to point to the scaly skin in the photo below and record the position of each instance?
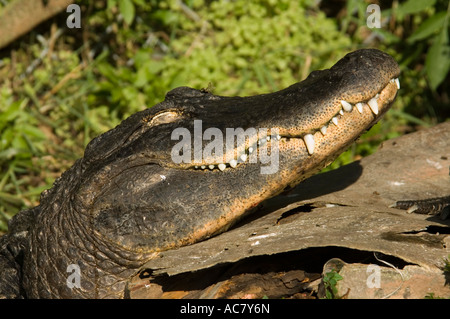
(126, 199)
(431, 206)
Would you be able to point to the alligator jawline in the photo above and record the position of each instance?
(307, 137)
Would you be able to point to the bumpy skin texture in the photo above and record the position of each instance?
(431, 206)
(126, 199)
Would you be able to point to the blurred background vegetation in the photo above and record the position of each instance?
(61, 87)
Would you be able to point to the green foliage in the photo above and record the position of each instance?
(21, 140)
(447, 265)
(434, 30)
(127, 8)
(330, 281)
(228, 45)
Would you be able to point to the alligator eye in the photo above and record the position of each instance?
(165, 117)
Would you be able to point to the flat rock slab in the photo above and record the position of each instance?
(346, 208)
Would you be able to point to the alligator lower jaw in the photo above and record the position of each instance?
(374, 108)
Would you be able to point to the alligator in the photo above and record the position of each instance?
(165, 177)
(431, 206)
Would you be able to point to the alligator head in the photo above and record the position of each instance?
(171, 175)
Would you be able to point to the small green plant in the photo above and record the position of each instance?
(330, 281)
(447, 265)
(446, 269)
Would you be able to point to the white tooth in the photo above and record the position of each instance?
(373, 104)
(250, 150)
(222, 167)
(268, 138)
(346, 106)
(233, 163)
(334, 120)
(341, 112)
(397, 82)
(359, 106)
(203, 167)
(243, 157)
(211, 167)
(323, 129)
(195, 166)
(278, 137)
(309, 141)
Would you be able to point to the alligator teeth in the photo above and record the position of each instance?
(373, 104)
(359, 106)
(334, 120)
(308, 138)
(309, 141)
(346, 106)
(396, 81)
